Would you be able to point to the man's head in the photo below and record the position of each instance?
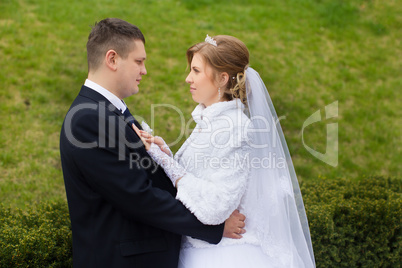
(111, 33)
(116, 55)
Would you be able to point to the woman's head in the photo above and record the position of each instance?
(223, 65)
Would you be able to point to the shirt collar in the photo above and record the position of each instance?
(118, 103)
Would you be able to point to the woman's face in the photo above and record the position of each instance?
(202, 86)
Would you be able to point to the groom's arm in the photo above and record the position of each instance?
(128, 188)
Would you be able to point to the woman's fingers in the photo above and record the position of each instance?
(145, 134)
(151, 139)
(165, 150)
(159, 141)
(138, 131)
(156, 140)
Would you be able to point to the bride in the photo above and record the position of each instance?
(235, 158)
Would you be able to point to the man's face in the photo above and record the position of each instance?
(131, 69)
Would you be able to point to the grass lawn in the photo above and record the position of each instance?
(310, 53)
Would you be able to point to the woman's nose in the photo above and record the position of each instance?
(188, 80)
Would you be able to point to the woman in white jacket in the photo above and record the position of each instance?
(236, 158)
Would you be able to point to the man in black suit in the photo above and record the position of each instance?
(122, 206)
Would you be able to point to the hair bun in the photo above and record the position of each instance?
(239, 90)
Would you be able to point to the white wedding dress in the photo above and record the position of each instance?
(219, 171)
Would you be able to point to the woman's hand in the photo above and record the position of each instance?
(138, 131)
(157, 140)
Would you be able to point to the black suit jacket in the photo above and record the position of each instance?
(122, 206)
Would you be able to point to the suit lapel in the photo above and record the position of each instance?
(87, 92)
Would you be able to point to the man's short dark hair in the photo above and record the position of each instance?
(111, 33)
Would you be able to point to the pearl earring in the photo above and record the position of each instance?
(219, 93)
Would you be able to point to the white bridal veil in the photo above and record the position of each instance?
(273, 202)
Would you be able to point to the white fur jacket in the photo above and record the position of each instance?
(214, 161)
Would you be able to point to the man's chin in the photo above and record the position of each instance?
(135, 91)
(131, 92)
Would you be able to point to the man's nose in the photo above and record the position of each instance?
(144, 71)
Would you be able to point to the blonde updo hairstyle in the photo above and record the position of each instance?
(231, 56)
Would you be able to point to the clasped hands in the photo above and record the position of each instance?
(234, 225)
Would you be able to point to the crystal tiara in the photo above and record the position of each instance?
(210, 40)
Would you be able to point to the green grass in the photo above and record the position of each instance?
(310, 53)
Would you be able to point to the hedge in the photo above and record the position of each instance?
(352, 224)
(37, 237)
(355, 223)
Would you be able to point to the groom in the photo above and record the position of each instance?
(123, 212)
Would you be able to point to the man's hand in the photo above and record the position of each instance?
(234, 225)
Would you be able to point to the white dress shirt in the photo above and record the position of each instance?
(118, 103)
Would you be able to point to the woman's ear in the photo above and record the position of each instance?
(111, 59)
(224, 78)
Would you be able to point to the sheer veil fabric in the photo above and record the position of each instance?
(273, 203)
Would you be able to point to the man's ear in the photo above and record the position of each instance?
(223, 79)
(111, 59)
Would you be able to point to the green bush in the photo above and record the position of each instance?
(37, 237)
(352, 224)
(355, 224)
